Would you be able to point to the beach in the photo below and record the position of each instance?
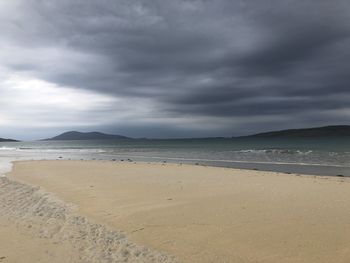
(104, 211)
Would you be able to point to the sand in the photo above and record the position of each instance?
(45, 229)
(94, 211)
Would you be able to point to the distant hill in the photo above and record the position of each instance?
(74, 135)
(327, 131)
(7, 140)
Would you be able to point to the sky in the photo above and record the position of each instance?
(172, 68)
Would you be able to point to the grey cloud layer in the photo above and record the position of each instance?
(216, 59)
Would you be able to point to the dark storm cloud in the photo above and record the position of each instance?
(195, 59)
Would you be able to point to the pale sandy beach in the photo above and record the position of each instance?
(91, 211)
(179, 131)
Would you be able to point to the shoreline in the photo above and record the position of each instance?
(201, 213)
(301, 160)
(242, 165)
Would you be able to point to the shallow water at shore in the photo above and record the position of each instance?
(307, 156)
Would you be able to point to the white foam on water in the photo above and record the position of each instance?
(4, 148)
(275, 151)
(36, 150)
(57, 150)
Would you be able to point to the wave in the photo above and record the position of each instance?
(57, 150)
(4, 148)
(275, 151)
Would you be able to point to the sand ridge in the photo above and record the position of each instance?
(43, 216)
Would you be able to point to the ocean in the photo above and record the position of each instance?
(321, 156)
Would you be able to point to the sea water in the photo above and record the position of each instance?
(321, 156)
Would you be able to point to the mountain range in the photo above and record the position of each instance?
(7, 140)
(75, 135)
(318, 132)
(326, 131)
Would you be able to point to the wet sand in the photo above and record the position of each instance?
(195, 213)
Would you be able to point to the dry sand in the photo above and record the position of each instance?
(195, 213)
(36, 226)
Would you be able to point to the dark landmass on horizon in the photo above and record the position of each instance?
(326, 131)
(317, 132)
(75, 135)
(7, 140)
